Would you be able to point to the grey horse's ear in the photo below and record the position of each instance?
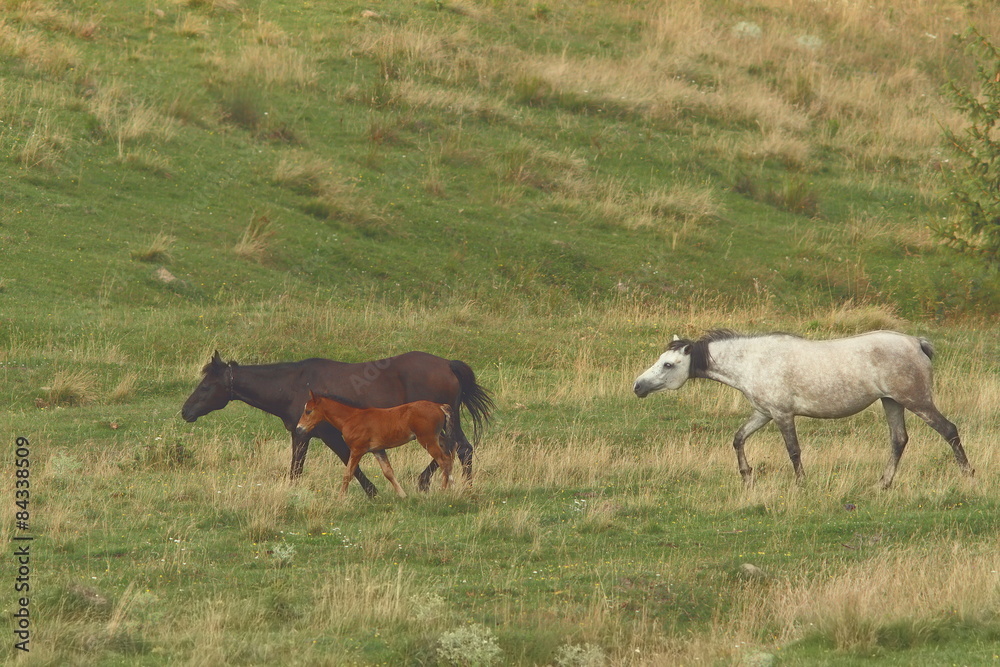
(686, 349)
(676, 337)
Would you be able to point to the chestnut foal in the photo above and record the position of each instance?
(378, 429)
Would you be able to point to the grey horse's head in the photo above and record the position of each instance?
(670, 371)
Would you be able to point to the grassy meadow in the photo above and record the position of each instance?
(547, 191)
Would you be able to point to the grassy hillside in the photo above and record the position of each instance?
(434, 149)
(547, 191)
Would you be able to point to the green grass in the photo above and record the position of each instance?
(547, 191)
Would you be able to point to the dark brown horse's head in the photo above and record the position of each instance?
(214, 392)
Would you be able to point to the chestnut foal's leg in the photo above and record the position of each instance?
(432, 444)
(383, 460)
(352, 465)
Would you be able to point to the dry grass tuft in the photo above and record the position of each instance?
(157, 249)
(266, 65)
(193, 25)
(677, 211)
(256, 238)
(909, 595)
(71, 388)
(125, 119)
(44, 146)
(853, 318)
(46, 55)
(531, 164)
(331, 195)
(267, 33)
(363, 597)
(125, 389)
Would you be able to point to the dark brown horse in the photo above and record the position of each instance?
(378, 429)
(282, 390)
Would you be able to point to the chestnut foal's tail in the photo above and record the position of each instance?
(447, 433)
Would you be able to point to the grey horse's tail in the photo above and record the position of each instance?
(926, 346)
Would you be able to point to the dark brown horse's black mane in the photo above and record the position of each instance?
(700, 358)
(340, 399)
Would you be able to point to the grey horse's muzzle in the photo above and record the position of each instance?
(641, 389)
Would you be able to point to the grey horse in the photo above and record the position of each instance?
(785, 376)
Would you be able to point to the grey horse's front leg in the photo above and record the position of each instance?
(756, 421)
(786, 424)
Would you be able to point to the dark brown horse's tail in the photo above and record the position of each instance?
(473, 396)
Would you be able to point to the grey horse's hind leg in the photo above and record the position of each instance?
(786, 424)
(896, 418)
(756, 421)
(948, 431)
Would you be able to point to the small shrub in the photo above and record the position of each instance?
(583, 655)
(428, 607)
(381, 132)
(282, 554)
(164, 453)
(531, 90)
(241, 105)
(472, 646)
(795, 195)
(63, 466)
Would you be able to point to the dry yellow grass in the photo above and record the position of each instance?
(156, 249)
(77, 387)
(266, 65)
(256, 238)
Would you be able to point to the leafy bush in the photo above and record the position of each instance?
(472, 645)
(975, 182)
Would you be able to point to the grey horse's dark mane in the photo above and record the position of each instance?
(700, 357)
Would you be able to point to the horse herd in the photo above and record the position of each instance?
(356, 408)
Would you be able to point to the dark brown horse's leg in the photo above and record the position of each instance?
(896, 418)
(786, 424)
(424, 481)
(300, 447)
(756, 421)
(464, 451)
(463, 448)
